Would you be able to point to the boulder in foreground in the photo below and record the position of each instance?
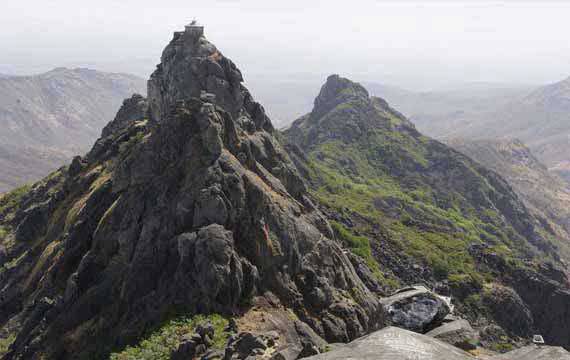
(416, 308)
(394, 343)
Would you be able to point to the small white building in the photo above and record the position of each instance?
(194, 29)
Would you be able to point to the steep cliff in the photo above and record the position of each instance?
(419, 211)
(186, 204)
(543, 192)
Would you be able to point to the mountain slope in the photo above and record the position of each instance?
(543, 192)
(417, 210)
(185, 205)
(48, 118)
(540, 119)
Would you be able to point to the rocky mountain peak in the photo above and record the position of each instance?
(344, 110)
(187, 201)
(337, 90)
(192, 67)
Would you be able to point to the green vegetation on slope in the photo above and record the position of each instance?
(159, 344)
(10, 200)
(354, 177)
(366, 162)
(5, 344)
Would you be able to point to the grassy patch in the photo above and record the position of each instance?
(5, 344)
(10, 200)
(502, 347)
(385, 177)
(159, 344)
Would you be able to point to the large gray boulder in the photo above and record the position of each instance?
(393, 343)
(458, 333)
(416, 308)
(534, 352)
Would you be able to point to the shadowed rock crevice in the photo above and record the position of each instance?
(187, 203)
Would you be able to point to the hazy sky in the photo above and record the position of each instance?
(412, 44)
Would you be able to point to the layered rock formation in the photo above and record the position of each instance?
(397, 344)
(186, 204)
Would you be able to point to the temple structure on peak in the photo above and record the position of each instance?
(194, 28)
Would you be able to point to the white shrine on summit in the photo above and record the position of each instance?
(194, 28)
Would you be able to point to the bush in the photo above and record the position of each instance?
(159, 344)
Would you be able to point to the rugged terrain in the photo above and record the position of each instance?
(538, 118)
(193, 227)
(48, 118)
(419, 211)
(186, 204)
(542, 191)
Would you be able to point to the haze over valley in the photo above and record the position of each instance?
(248, 180)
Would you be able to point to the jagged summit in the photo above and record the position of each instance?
(343, 109)
(336, 90)
(429, 213)
(192, 67)
(186, 204)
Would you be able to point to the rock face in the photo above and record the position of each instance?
(509, 310)
(534, 352)
(458, 333)
(548, 302)
(393, 343)
(193, 208)
(416, 309)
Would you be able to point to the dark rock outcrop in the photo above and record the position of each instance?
(509, 310)
(549, 303)
(193, 208)
(415, 308)
(458, 333)
(395, 344)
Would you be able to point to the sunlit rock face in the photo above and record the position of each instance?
(186, 203)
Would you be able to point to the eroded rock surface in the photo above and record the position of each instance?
(415, 308)
(534, 352)
(458, 333)
(395, 344)
(191, 204)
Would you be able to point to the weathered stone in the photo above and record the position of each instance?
(509, 310)
(416, 309)
(244, 345)
(458, 333)
(395, 344)
(534, 352)
(186, 210)
(206, 332)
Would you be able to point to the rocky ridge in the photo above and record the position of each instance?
(543, 192)
(418, 211)
(186, 204)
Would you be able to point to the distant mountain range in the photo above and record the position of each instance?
(539, 117)
(48, 118)
(191, 214)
